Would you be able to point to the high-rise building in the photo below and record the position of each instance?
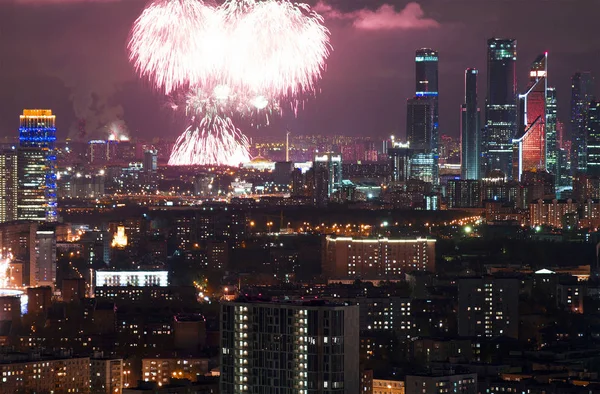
(426, 69)
(37, 166)
(422, 119)
(287, 347)
(464, 193)
(500, 107)
(552, 147)
(150, 161)
(488, 307)
(400, 155)
(470, 129)
(327, 173)
(593, 139)
(423, 166)
(44, 273)
(9, 182)
(582, 86)
(529, 146)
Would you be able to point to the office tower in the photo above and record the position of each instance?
(37, 166)
(400, 154)
(150, 161)
(426, 61)
(371, 258)
(327, 172)
(582, 86)
(420, 117)
(423, 111)
(529, 146)
(441, 383)
(500, 106)
(593, 139)
(552, 146)
(470, 141)
(488, 307)
(9, 182)
(289, 347)
(464, 193)
(423, 166)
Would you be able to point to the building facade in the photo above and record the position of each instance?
(488, 307)
(9, 182)
(372, 258)
(285, 348)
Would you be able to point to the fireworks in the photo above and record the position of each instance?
(215, 140)
(241, 59)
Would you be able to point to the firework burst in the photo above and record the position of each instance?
(241, 59)
(215, 140)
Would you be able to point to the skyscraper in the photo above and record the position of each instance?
(470, 129)
(420, 118)
(423, 109)
(529, 152)
(37, 166)
(400, 155)
(8, 185)
(582, 86)
(552, 147)
(327, 177)
(500, 107)
(593, 139)
(289, 347)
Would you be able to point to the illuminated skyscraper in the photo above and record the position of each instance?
(426, 72)
(37, 166)
(530, 145)
(551, 132)
(423, 110)
(582, 86)
(327, 176)
(8, 185)
(500, 107)
(470, 129)
(593, 139)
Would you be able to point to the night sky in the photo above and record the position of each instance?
(70, 56)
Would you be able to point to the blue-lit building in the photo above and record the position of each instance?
(36, 159)
(422, 122)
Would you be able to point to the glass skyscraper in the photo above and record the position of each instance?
(470, 129)
(593, 139)
(37, 166)
(423, 109)
(582, 86)
(500, 108)
(551, 132)
(530, 145)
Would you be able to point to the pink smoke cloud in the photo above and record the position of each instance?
(383, 18)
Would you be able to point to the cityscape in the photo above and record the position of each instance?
(221, 259)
